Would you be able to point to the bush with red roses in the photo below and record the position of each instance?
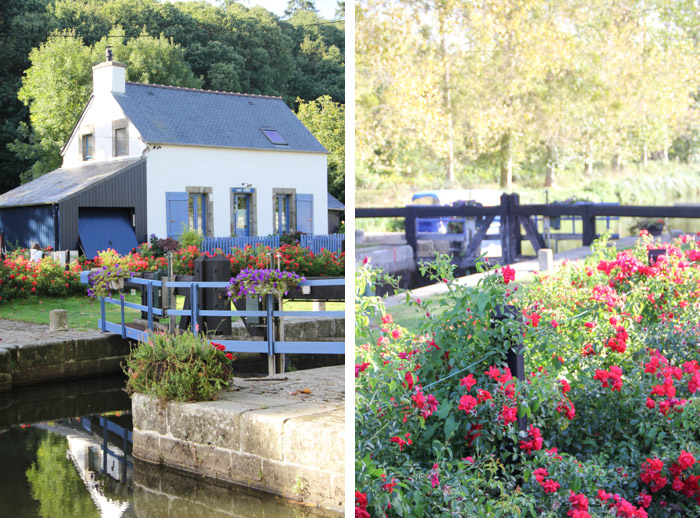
(611, 377)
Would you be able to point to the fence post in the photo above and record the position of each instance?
(588, 225)
(506, 236)
(193, 309)
(410, 228)
(103, 311)
(270, 301)
(149, 287)
(123, 323)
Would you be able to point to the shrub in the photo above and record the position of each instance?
(181, 367)
(612, 375)
(190, 237)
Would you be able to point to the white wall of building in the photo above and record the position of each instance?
(103, 109)
(174, 168)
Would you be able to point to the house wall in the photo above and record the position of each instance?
(175, 168)
(25, 226)
(99, 115)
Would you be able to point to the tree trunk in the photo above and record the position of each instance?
(616, 162)
(447, 98)
(588, 164)
(507, 162)
(645, 156)
(665, 156)
(551, 169)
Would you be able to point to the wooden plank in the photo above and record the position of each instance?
(531, 232)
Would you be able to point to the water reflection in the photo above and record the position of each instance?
(64, 466)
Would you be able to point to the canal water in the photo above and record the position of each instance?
(65, 452)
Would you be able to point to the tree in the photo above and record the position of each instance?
(325, 119)
(58, 84)
(299, 5)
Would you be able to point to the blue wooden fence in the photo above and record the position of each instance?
(331, 242)
(270, 346)
(228, 244)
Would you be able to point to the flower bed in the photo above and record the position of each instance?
(21, 278)
(609, 393)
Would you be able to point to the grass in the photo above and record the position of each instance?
(84, 312)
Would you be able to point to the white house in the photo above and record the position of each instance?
(161, 159)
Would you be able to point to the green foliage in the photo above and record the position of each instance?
(181, 367)
(194, 44)
(190, 237)
(326, 120)
(519, 90)
(612, 376)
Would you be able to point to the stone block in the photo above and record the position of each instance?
(245, 469)
(47, 353)
(213, 462)
(5, 381)
(111, 365)
(39, 374)
(79, 369)
(261, 433)
(5, 360)
(545, 259)
(147, 446)
(58, 320)
(317, 441)
(204, 423)
(148, 475)
(149, 414)
(338, 489)
(297, 482)
(177, 454)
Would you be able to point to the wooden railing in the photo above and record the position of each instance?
(514, 216)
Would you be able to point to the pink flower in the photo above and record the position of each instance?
(467, 403)
(434, 479)
(508, 274)
(468, 382)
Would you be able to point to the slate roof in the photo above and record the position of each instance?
(185, 116)
(63, 183)
(334, 203)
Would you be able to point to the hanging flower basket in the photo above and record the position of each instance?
(262, 282)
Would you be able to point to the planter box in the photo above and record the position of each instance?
(318, 292)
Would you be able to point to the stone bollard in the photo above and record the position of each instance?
(546, 259)
(58, 320)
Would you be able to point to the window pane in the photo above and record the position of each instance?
(241, 213)
(87, 147)
(274, 137)
(121, 143)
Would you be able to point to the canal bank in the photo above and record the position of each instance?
(32, 354)
(284, 434)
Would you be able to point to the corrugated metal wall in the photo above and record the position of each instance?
(25, 226)
(126, 189)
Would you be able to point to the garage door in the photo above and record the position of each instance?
(105, 228)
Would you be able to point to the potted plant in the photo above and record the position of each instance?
(109, 276)
(262, 282)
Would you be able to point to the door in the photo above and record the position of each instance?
(176, 213)
(241, 214)
(305, 213)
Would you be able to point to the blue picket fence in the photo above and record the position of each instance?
(228, 244)
(316, 243)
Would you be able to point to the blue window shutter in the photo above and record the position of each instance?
(176, 212)
(305, 213)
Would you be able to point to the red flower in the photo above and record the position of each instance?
(468, 382)
(509, 415)
(686, 460)
(467, 403)
(508, 274)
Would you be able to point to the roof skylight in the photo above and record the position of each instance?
(274, 137)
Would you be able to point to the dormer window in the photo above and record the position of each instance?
(88, 146)
(274, 137)
(120, 137)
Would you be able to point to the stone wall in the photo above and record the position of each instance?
(271, 442)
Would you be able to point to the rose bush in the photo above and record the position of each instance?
(609, 393)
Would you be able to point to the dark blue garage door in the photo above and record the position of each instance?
(105, 228)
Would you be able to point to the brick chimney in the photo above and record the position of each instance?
(109, 76)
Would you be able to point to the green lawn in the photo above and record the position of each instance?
(84, 312)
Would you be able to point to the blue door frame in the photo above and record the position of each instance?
(241, 196)
(305, 213)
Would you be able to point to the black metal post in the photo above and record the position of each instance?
(410, 227)
(588, 219)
